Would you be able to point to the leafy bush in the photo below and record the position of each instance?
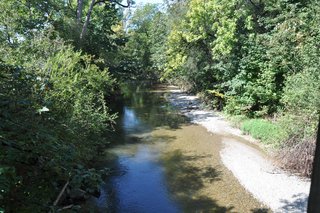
(300, 118)
(53, 116)
(302, 103)
(54, 95)
(213, 98)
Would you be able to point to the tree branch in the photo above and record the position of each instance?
(85, 25)
(13, 146)
(253, 3)
(79, 11)
(60, 194)
(113, 1)
(92, 4)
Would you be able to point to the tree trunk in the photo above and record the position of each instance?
(79, 12)
(85, 25)
(314, 196)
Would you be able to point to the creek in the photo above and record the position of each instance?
(160, 162)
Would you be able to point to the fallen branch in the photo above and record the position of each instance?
(66, 207)
(60, 194)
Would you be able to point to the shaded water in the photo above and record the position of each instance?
(162, 163)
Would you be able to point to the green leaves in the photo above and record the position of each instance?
(88, 180)
(263, 55)
(53, 111)
(141, 56)
(7, 180)
(54, 94)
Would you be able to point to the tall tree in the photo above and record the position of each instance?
(89, 12)
(86, 23)
(79, 12)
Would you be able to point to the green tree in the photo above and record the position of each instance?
(142, 33)
(54, 99)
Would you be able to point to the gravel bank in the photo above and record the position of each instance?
(279, 190)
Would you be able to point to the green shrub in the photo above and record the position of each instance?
(54, 114)
(302, 103)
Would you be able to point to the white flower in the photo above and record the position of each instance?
(44, 109)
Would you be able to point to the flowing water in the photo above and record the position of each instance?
(162, 163)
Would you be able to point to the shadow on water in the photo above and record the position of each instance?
(140, 112)
(185, 181)
(142, 182)
(137, 183)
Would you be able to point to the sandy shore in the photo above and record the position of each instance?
(281, 191)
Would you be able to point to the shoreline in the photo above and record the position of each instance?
(279, 190)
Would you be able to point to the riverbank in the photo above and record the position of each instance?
(281, 191)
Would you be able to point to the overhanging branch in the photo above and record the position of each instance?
(116, 2)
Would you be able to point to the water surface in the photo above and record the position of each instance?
(162, 163)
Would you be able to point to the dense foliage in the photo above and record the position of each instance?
(142, 55)
(254, 58)
(55, 89)
(59, 60)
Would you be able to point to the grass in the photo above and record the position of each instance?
(292, 153)
(266, 131)
(269, 133)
